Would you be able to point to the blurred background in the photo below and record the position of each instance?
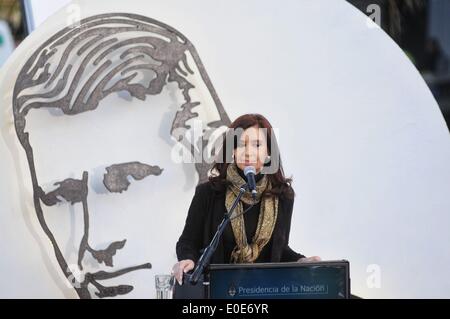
(420, 27)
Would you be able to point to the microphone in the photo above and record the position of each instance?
(250, 172)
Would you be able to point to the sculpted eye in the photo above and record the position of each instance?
(116, 177)
(71, 190)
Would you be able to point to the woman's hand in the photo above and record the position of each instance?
(182, 267)
(309, 259)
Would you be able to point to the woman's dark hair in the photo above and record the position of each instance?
(281, 186)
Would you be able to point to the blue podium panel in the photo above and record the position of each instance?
(319, 280)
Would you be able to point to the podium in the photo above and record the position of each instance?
(318, 280)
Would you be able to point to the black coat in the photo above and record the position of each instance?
(205, 214)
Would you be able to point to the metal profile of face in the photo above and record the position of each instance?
(109, 98)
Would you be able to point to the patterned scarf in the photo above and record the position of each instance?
(245, 252)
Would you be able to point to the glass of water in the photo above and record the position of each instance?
(164, 286)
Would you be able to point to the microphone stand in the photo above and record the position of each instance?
(203, 262)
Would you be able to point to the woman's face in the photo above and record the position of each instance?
(251, 149)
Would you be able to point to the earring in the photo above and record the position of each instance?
(267, 160)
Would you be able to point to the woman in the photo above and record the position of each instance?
(261, 234)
